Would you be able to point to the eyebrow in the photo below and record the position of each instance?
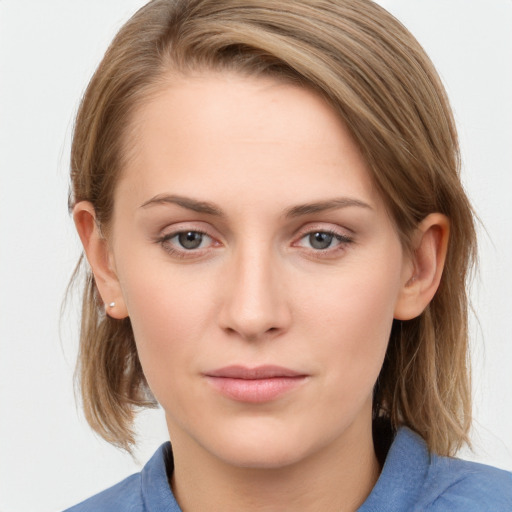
(321, 206)
(185, 202)
(295, 211)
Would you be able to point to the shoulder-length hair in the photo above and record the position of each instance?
(383, 86)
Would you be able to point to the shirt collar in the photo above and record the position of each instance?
(402, 476)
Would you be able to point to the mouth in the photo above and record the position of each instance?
(254, 385)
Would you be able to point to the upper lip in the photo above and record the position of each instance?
(258, 372)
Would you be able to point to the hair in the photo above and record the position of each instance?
(379, 80)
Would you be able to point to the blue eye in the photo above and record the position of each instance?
(190, 239)
(185, 241)
(323, 240)
(320, 240)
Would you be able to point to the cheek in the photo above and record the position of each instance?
(352, 320)
(168, 313)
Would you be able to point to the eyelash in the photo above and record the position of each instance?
(181, 253)
(343, 242)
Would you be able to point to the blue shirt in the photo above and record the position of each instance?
(412, 480)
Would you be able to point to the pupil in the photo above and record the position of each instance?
(320, 240)
(190, 240)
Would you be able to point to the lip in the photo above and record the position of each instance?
(254, 385)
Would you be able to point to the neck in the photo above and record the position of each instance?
(338, 478)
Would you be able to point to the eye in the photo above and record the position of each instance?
(182, 242)
(323, 240)
(190, 239)
(320, 240)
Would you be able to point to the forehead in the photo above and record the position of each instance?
(213, 133)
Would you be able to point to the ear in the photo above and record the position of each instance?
(100, 259)
(424, 269)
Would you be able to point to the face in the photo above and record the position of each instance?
(258, 266)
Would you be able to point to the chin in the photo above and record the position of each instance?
(265, 455)
(266, 446)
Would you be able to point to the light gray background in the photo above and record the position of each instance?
(49, 459)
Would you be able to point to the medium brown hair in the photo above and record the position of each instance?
(383, 86)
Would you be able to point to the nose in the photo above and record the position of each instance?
(255, 304)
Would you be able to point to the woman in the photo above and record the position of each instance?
(270, 205)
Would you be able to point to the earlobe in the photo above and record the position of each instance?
(424, 271)
(99, 256)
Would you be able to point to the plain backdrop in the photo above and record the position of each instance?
(49, 459)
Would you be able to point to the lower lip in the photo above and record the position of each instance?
(255, 390)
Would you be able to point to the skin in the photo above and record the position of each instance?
(258, 290)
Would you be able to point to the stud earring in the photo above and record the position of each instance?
(112, 305)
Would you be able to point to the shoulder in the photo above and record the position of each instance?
(455, 484)
(125, 496)
(413, 479)
(147, 490)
